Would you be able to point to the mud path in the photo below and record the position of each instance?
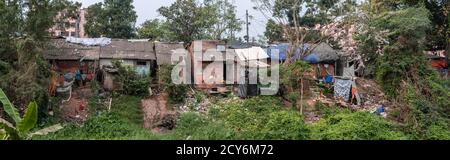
(155, 110)
(76, 108)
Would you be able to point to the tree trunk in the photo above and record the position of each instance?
(301, 97)
(447, 51)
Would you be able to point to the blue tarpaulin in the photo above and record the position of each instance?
(322, 52)
(282, 49)
(312, 58)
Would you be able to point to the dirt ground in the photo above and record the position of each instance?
(155, 111)
(76, 108)
(371, 96)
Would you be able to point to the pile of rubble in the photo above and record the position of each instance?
(192, 104)
(371, 95)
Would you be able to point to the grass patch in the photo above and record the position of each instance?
(124, 122)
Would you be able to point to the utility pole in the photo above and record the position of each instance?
(248, 36)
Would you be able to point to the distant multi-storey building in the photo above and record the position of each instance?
(70, 27)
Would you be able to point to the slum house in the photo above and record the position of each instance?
(322, 57)
(133, 53)
(66, 59)
(248, 60)
(208, 59)
(137, 54)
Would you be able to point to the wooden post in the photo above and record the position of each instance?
(110, 103)
(301, 97)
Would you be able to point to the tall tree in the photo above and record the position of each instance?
(121, 17)
(10, 20)
(297, 16)
(274, 31)
(151, 29)
(26, 29)
(113, 18)
(95, 23)
(188, 19)
(226, 22)
(156, 30)
(439, 15)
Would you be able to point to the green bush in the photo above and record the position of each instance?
(106, 126)
(286, 125)
(438, 132)
(251, 119)
(132, 83)
(262, 104)
(198, 127)
(293, 97)
(177, 92)
(188, 123)
(355, 126)
(4, 68)
(123, 122)
(261, 118)
(164, 74)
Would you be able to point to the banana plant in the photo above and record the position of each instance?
(23, 125)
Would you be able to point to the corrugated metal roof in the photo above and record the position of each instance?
(124, 49)
(118, 49)
(164, 51)
(59, 49)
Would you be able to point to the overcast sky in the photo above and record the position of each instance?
(147, 9)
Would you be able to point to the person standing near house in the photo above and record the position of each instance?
(61, 80)
(83, 78)
(78, 78)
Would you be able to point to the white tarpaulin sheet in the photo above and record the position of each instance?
(342, 89)
(254, 53)
(257, 64)
(89, 41)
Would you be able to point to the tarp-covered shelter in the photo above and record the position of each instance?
(249, 59)
(320, 54)
(323, 58)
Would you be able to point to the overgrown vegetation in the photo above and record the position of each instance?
(293, 77)
(404, 72)
(24, 72)
(131, 82)
(345, 125)
(253, 119)
(123, 122)
(23, 124)
(176, 92)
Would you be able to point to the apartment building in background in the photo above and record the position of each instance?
(71, 27)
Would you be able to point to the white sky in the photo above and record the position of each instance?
(147, 9)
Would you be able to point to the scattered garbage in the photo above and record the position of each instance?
(192, 105)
